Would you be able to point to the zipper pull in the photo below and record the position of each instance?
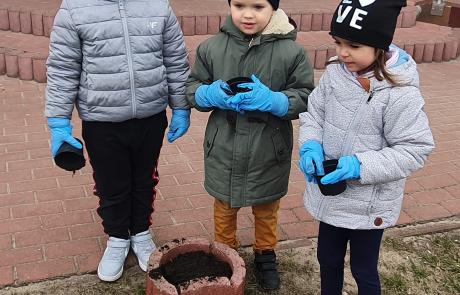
(250, 42)
(370, 97)
(121, 6)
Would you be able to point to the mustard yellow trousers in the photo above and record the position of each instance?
(266, 221)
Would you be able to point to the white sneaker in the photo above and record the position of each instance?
(143, 247)
(111, 265)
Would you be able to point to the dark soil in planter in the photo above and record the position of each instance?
(190, 267)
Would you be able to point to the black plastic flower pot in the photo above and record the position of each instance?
(330, 189)
(234, 85)
(70, 158)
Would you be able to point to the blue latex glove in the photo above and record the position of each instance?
(180, 122)
(260, 98)
(61, 131)
(209, 96)
(311, 152)
(348, 167)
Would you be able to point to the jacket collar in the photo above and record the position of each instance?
(279, 27)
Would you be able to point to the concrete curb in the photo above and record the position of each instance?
(430, 227)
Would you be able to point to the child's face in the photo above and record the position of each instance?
(355, 56)
(251, 16)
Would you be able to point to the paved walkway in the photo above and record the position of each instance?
(49, 226)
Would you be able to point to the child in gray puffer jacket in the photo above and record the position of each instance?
(121, 64)
(367, 112)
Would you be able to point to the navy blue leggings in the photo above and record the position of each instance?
(364, 255)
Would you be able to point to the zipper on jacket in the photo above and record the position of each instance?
(250, 42)
(370, 96)
(354, 125)
(121, 7)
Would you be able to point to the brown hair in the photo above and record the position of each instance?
(379, 68)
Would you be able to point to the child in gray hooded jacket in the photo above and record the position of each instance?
(367, 112)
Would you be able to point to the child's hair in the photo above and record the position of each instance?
(380, 70)
(274, 3)
(378, 67)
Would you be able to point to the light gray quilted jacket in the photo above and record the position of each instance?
(116, 60)
(389, 134)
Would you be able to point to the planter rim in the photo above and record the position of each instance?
(176, 247)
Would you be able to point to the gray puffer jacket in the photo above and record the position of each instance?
(116, 60)
(389, 134)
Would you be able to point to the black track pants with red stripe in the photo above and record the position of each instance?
(124, 157)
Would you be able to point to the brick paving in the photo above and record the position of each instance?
(49, 226)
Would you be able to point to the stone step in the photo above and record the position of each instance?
(197, 17)
(24, 56)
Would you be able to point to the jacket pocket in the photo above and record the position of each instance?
(391, 190)
(385, 213)
(209, 139)
(280, 147)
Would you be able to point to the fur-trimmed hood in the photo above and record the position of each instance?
(279, 24)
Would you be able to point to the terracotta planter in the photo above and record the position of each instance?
(158, 285)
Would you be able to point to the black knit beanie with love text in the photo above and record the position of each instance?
(368, 22)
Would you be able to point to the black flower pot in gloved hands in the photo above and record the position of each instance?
(233, 84)
(69, 157)
(330, 189)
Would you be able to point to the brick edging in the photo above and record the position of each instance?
(32, 66)
(23, 65)
(445, 49)
(36, 22)
(39, 23)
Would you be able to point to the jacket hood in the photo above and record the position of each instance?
(279, 27)
(405, 68)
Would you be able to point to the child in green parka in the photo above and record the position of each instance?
(249, 138)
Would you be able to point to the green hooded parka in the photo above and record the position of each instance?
(248, 156)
